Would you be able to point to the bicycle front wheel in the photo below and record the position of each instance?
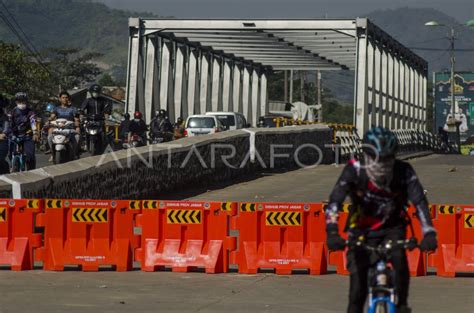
(381, 307)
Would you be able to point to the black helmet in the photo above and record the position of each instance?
(161, 113)
(21, 96)
(380, 142)
(126, 116)
(95, 88)
(179, 120)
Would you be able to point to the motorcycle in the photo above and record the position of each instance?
(160, 137)
(134, 142)
(43, 144)
(63, 151)
(94, 131)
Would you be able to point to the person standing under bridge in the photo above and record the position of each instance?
(380, 187)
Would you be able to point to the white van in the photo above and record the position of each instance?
(202, 125)
(230, 120)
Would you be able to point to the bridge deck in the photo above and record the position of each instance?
(447, 178)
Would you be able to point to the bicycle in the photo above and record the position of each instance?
(19, 163)
(382, 291)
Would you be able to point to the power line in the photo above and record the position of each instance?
(12, 17)
(438, 49)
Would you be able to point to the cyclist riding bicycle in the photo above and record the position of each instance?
(380, 187)
(23, 124)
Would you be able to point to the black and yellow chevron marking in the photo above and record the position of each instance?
(32, 204)
(346, 207)
(468, 220)
(446, 209)
(226, 206)
(90, 215)
(149, 204)
(183, 216)
(54, 204)
(3, 214)
(248, 207)
(134, 205)
(283, 218)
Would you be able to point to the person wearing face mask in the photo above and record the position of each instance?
(23, 124)
(96, 104)
(138, 127)
(4, 129)
(380, 187)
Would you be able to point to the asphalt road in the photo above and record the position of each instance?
(134, 292)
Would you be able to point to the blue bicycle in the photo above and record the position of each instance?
(382, 291)
(19, 163)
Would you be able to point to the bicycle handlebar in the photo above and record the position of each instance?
(409, 244)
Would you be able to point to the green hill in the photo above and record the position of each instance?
(72, 23)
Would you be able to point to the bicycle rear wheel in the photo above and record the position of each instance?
(381, 307)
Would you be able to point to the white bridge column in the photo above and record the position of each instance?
(151, 77)
(361, 106)
(263, 95)
(255, 99)
(215, 89)
(246, 92)
(226, 86)
(165, 74)
(192, 81)
(236, 90)
(179, 87)
(204, 83)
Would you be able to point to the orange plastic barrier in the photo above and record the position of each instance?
(455, 226)
(417, 260)
(88, 234)
(185, 235)
(280, 236)
(18, 239)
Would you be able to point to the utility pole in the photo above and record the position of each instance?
(286, 87)
(291, 86)
(320, 115)
(302, 79)
(451, 122)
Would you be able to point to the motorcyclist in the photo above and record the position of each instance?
(4, 128)
(160, 126)
(124, 127)
(23, 123)
(178, 128)
(96, 106)
(70, 113)
(380, 187)
(137, 127)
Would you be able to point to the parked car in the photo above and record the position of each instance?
(230, 120)
(202, 125)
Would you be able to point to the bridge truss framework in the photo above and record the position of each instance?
(194, 66)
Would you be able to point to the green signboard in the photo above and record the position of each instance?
(471, 109)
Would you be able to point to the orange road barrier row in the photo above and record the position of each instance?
(88, 234)
(280, 236)
(455, 254)
(18, 240)
(185, 235)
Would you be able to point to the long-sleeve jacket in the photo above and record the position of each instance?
(373, 209)
(22, 122)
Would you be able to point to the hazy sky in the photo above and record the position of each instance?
(462, 10)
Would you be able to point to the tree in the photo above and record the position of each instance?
(71, 68)
(107, 80)
(18, 72)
